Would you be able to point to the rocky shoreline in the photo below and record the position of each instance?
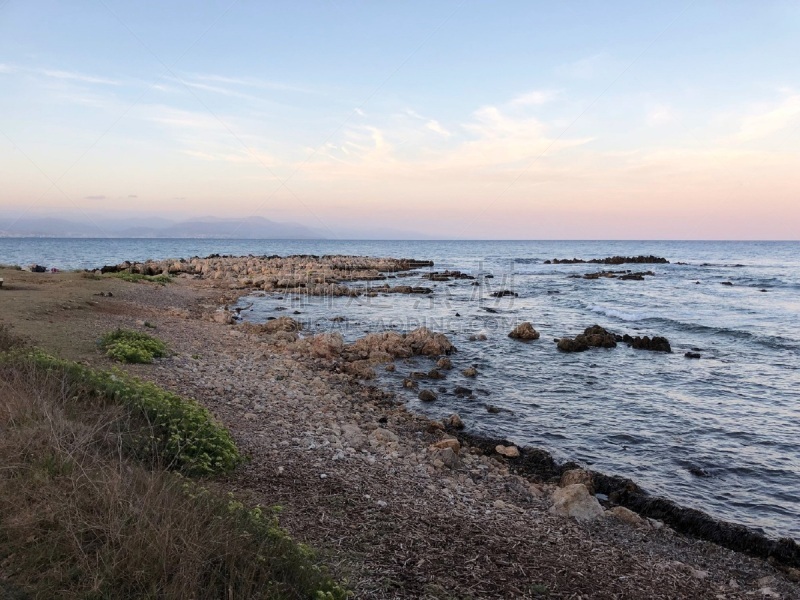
(401, 506)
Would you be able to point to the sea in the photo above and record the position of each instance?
(720, 433)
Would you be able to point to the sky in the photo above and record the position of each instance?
(453, 119)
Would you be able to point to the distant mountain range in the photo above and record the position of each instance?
(205, 227)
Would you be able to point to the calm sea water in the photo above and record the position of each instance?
(721, 433)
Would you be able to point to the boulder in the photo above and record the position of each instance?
(574, 476)
(353, 435)
(572, 345)
(503, 294)
(382, 436)
(223, 316)
(444, 363)
(592, 337)
(281, 324)
(620, 513)
(326, 345)
(598, 337)
(576, 501)
(454, 421)
(470, 372)
(692, 355)
(427, 396)
(445, 457)
(524, 331)
(424, 341)
(507, 451)
(654, 344)
(360, 369)
(451, 443)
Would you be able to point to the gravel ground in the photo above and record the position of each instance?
(358, 480)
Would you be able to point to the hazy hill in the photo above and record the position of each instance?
(206, 227)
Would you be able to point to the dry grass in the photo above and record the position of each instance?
(8, 339)
(80, 520)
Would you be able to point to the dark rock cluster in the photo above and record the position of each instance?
(598, 337)
(611, 260)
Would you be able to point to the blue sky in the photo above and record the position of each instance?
(455, 119)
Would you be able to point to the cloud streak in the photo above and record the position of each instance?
(774, 120)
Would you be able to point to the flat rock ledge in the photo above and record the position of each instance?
(308, 274)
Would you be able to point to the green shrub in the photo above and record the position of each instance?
(80, 521)
(138, 277)
(167, 428)
(129, 346)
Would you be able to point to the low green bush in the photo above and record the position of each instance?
(167, 428)
(129, 346)
(79, 520)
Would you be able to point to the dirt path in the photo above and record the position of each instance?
(354, 473)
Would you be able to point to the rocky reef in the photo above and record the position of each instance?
(611, 260)
(308, 274)
(598, 337)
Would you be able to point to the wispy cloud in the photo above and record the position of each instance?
(535, 98)
(59, 74)
(247, 82)
(661, 114)
(494, 139)
(99, 197)
(776, 119)
(179, 118)
(75, 76)
(216, 89)
(436, 127)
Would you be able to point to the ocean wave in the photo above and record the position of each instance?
(624, 315)
(776, 342)
(528, 261)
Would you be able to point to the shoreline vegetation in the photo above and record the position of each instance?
(396, 504)
(102, 494)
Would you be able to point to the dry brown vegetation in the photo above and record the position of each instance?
(80, 520)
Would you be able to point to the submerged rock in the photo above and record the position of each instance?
(444, 363)
(654, 344)
(454, 421)
(503, 294)
(427, 396)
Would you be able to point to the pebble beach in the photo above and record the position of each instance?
(398, 504)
